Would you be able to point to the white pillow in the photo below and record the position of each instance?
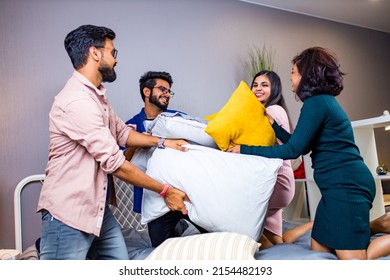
(141, 157)
(175, 126)
(207, 246)
(228, 192)
(181, 126)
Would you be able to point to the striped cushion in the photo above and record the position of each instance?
(207, 246)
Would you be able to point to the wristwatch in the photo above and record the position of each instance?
(160, 144)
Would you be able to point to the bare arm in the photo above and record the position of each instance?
(137, 139)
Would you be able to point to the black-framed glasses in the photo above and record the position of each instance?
(165, 90)
(114, 52)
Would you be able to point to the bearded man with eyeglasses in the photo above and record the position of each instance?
(155, 89)
(85, 135)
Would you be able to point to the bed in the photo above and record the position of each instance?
(203, 165)
(139, 245)
(137, 238)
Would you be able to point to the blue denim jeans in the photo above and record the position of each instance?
(61, 242)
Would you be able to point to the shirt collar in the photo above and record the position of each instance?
(101, 90)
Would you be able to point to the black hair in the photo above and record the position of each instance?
(78, 42)
(149, 80)
(276, 87)
(275, 97)
(320, 73)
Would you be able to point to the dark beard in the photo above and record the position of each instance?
(108, 74)
(154, 100)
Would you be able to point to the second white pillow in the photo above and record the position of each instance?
(228, 192)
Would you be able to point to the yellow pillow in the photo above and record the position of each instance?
(242, 121)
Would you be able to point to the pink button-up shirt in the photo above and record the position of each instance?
(84, 136)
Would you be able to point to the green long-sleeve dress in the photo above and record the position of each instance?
(346, 184)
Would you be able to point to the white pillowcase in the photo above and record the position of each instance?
(228, 192)
(174, 126)
(181, 126)
(207, 246)
(141, 157)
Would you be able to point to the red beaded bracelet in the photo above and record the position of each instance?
(165, 190)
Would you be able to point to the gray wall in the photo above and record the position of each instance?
(203, 44)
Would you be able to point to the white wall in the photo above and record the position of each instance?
(203, 44)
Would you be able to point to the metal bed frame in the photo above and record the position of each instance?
(18, 207)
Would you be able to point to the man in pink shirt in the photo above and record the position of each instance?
(85, 135)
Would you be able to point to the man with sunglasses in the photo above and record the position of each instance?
(85, 133)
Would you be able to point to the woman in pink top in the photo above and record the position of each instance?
(267, 88)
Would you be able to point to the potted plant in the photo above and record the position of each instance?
(260, 59)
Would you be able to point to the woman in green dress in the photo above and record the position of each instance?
(342, 222)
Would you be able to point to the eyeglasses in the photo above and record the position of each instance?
(114, 52)
(165, 90)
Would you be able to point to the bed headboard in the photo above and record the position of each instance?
(124, 213)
